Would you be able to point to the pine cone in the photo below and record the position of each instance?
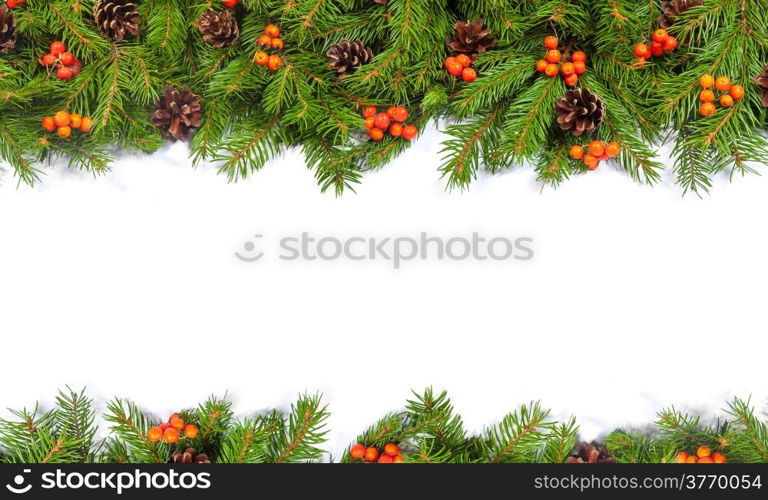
(115, 18)
(580, 111)
(346, 57)
(380, 2)
(471, 37)
(762, 81)
(188, 456)
(671, 11)
(591, 453)
(219, 28)
(177, 112)
(7, 30)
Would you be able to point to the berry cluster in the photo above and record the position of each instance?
(170, 432)
(389, 455)
(393, 121)
(595, 152)
(64, 63)
(270, 39)
(231, 4)
(12, 4)
(63, 122)
(551, 66)
(729, 94)
(663, 42)
(461, 66)
(703, 455)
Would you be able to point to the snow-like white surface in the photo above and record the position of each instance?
(637, 297)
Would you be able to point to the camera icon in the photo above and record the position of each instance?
(18, 487)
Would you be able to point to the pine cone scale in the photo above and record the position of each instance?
(762, 81)
(188, 456)
(7, 30)
(471, 37)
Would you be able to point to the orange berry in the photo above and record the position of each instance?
(551, 42)
(61, 118)
(58, 48)
(376, 134)
(371, 454)
(171, 435)
(398, 113)
(639, 62)
(382, 121)
(369, 122)
(455, 68)
(155, 434)
(576, 152)
(449, 61)
(49, 124)
(572, 80)
(67, 58)
(706, 81)
(552, 70)
(703, 451)
(396, 129)
(265, 41)
(369, 111)
(397, 459)
(177, 423)
(579, 56)
(642, 50)
(48, 60)
(681, 457)
(657, 49)
(591, 162)
(65, 73)
(705, 460)
(385, 459)
(164, 425)
(191, 431)
(272, 30)
(391, 449)
(726, 101)
(660, 35)
(707, 95)
(568, 69)
(277, 43)
(75, 120)
(596, 148)
(464, 60)
(723, 83)
(410, 132)
(580, 67)
(612, 149)
(469, 75)
(692, 459)
(719, 458)
(261, 58)
(357, 451)
(274, 62)
(671, 44)
(737, 92)
(554, 56)
(707, 109)
(86, 125)
(541, 65)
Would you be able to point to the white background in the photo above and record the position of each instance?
(637, 299)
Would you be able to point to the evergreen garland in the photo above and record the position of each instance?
(503, 119)
(427, 430)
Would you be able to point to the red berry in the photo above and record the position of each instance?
(76, 68)
(469, 75)
(49, 124)
(396, 129)
(455, 68)
(48, 60)
(552, 70)
(642, 50)
(357, 451)
(399, 113)
(657, 49)
(551, 42)
(369, 111)
(231, 3)
(580, 67)
(572, 80)
(397, 459)
(554, 56)
(65, 73)
(391, 449)
(541, 65)
(385, 459)
(376, 134)
(371, 454)
(12, 4)
(274, 62)
(579, 56)
(737, 92)
(568, 68)
(591, 161)
(410, 132)
(464, 60)
(449, 61)
(382, 121)
(671, 44)
(58, 48)
(164, 426)
(660, 35)
(639, 62)
(67, 58)
(272, 30)
(369, 122)
(265, 41)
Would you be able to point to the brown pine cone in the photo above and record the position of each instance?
(177, 112)
(580, 111)
(346, 57)
(116, 18)
(471, 37)
(671, 11)
(188, 456)
(7, 30)
(380, 2)
(762, 81)
(591, 453)
(219, 28)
